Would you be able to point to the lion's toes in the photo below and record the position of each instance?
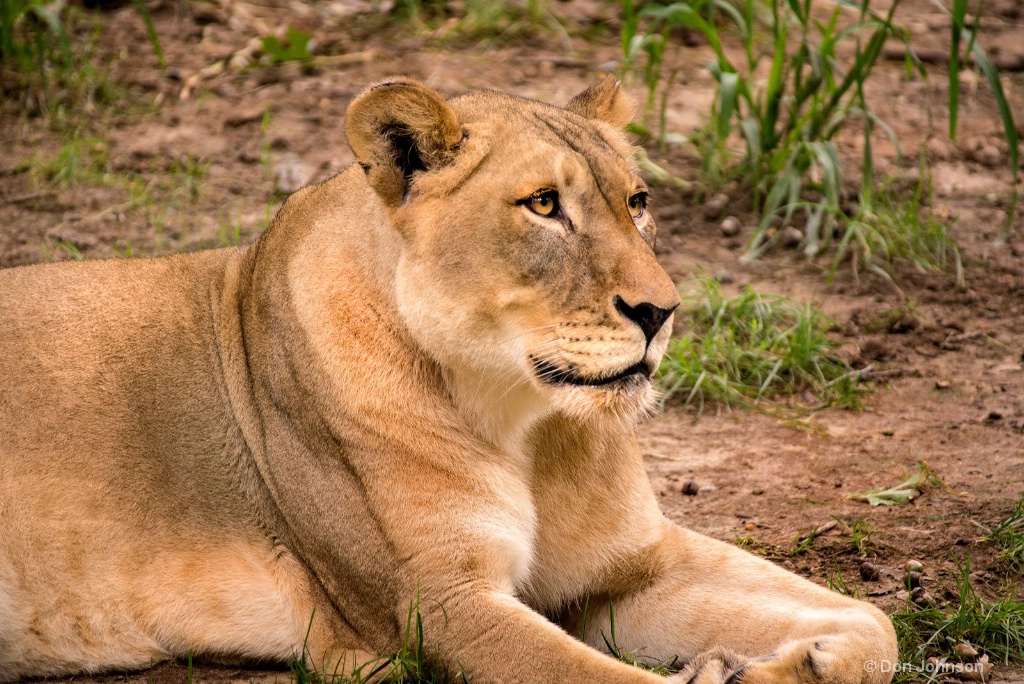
(812, 661)
(717, 666)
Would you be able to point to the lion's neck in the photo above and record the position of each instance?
(500, 411)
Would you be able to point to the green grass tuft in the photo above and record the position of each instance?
(755, 350)
(80, 159)
(795, 82)
(483, 22)
(1009, 535)
(995, 628)
(889, 227)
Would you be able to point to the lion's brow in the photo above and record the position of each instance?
(574, 136)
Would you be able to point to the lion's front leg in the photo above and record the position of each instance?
(730, 615)
(811, 661)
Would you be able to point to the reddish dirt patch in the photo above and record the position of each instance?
(761, 479)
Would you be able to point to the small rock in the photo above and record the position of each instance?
(938, 149)
(870, 572)
(1006, 8)
(205, 13)
(245, 115)
(902, 595)
(757, 491)
(716, 206)
(922, 597)
(913, 580)
(743, 516)
(730, 226)
(987, 155)
(791, 237)
(749, 527)
(725, 277)
(942, 384)
(913, 566)
(888, 433)
(691, 488)
(993, 416)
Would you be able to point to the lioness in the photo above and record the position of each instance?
(417, 390)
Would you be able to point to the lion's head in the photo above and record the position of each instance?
(527, 267)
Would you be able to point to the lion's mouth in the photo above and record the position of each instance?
(553, 375)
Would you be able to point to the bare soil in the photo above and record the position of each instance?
(952, 393)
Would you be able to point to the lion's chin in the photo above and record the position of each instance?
(630, 399)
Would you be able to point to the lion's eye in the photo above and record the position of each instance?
(543, 203)
(637, 203)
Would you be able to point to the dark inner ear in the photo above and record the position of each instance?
(404, 151)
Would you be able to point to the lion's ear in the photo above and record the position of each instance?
(604, 101)
(397, 128)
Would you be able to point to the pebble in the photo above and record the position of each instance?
(716, 206)
(993, 416)
(938, 149)
(988, 155)
(922, 597)
(791, 237)
(913, 580)
(870, 572)
(691, 488)
(244, 115)
(730, 226)
(725, 277)
(913, 566)
(942, 384)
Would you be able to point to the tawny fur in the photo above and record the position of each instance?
(220, 452)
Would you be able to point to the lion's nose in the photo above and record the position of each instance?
(649, 317)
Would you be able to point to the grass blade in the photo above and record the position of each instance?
(992, 75)
(959, 13)
(727, 100)
(154, 39)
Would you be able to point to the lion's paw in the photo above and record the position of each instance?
(716, 666)
(812, 661)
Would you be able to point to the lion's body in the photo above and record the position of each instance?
(216, 453)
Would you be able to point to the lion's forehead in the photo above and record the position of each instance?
(523, 127)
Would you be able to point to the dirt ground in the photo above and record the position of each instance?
(186, 159)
